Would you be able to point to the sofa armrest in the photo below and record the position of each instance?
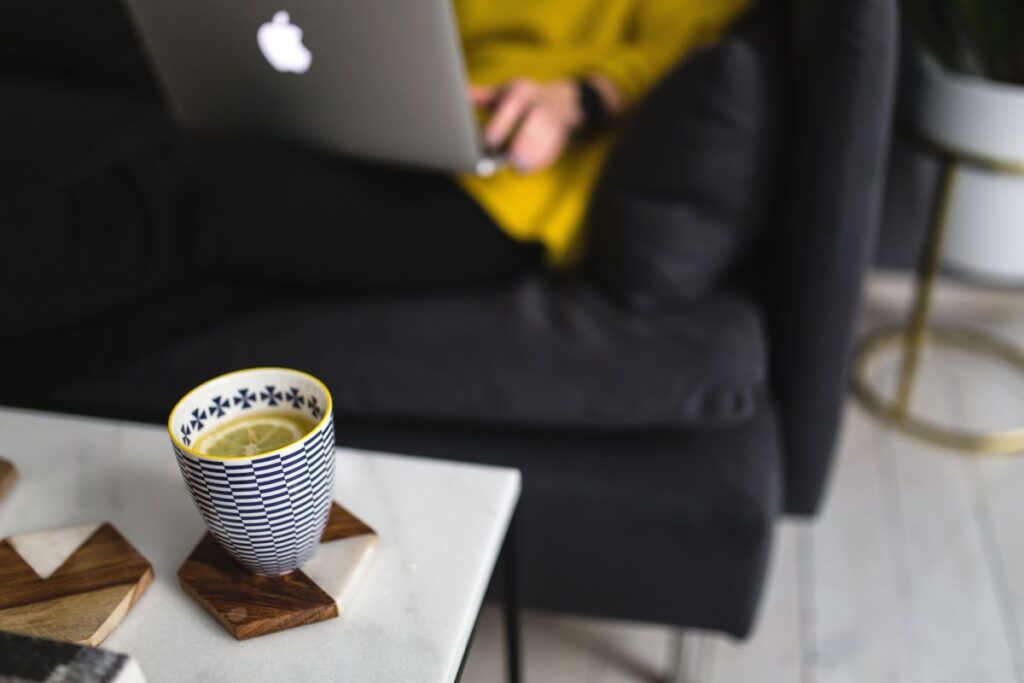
(843, 77)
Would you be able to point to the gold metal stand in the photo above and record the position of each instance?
(916, 333)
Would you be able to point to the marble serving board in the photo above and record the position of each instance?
(248, 605)
(73, 584)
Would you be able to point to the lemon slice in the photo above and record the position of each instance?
(251, 436)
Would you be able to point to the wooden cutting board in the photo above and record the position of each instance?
(74, 584)
(7, 476)
(248, 605)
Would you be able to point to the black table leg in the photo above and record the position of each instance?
(465, 653)
(510, 590)
(510, 607)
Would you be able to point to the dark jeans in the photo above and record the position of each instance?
(343, 226)
(183, 210)
(141, 209)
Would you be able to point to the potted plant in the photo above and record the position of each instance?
(966, 95)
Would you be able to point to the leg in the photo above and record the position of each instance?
(928, 270)
(511, 604)
(469, 646)
(89, 245)
(687, 660)
(343, 226)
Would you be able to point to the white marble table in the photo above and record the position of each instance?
(441, 527)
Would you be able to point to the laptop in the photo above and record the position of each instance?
(377, 79)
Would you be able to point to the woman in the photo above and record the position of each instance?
(551, 77)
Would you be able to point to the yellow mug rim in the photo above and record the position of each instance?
(328, 410)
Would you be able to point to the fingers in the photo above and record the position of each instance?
(482, 95)
(530, 115)
(513, 103)
(539, 141)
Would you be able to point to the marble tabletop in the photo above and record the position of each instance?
(441, 527)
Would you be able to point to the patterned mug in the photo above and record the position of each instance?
(267, 510)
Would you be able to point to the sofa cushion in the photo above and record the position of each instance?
(537, 353)
(691, 514)
(689, 183)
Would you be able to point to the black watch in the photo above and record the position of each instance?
(592, 106)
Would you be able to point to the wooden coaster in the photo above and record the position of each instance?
(7, 477)
(74, 584)
(248, 605)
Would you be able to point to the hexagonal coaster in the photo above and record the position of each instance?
(74, 584)
(8, 474)
(248, 605)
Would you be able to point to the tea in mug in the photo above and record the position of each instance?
(254, 433)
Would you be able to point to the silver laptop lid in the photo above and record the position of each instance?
(382, 79)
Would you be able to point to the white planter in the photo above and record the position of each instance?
(985, 237)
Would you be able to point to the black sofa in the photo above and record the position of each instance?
(624, 512)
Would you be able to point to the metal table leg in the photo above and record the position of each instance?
(917, 334)
(510, 597)
(508, 569)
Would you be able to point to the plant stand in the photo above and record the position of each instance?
(916, 333)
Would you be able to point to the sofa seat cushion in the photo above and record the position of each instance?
(537, 353)
(672, 528)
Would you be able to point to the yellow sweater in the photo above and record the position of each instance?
(631, 42)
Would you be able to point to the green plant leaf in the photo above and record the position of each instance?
(982, 37)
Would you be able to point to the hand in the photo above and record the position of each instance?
(533, 120)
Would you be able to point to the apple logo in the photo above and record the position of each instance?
(280, 42)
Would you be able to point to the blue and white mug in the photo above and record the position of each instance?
(267, 510)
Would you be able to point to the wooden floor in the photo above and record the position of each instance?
(913, 572)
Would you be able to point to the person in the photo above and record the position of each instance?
(556, 77)
(552, 79)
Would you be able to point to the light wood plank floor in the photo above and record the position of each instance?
(913, 572)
